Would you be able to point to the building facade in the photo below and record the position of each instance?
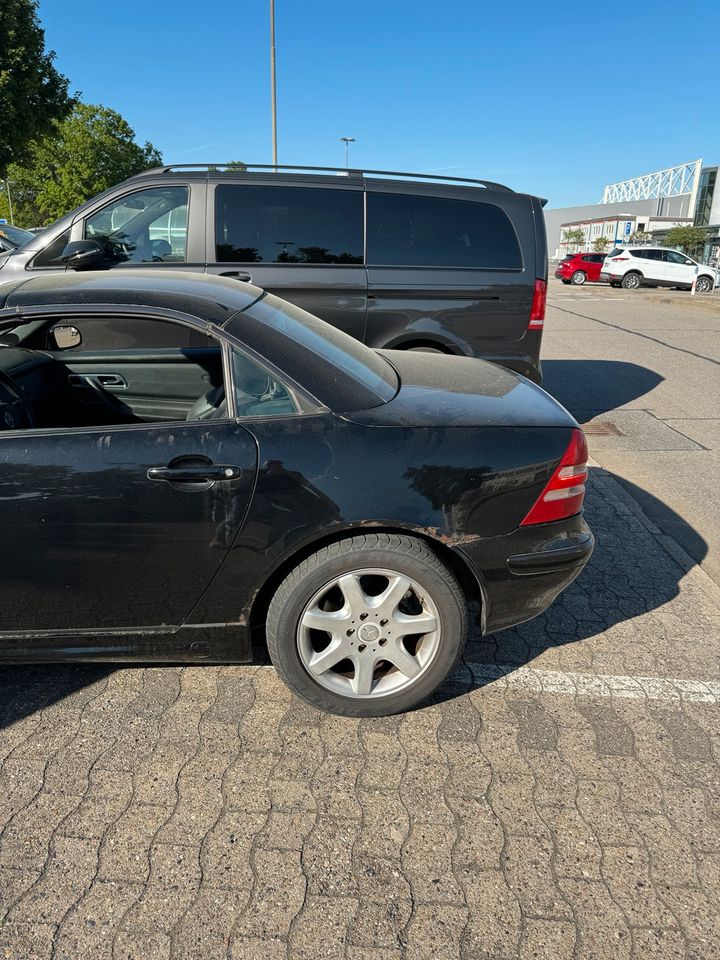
(685, 195)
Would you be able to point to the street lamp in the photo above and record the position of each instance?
(9, 196)
(347, 141)
(273, 97)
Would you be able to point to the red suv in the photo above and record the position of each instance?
(579, 267)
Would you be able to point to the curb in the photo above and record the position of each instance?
(692, 568)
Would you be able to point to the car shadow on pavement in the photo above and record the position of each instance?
(588, 388)
(28, 688)
(630, 574)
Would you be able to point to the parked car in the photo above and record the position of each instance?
(188, 461)
(12, 237)
(634, 267)
(578, 268)
(403, 261)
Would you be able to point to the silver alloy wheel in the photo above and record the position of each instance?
(631, 282)
(579, 277)
(357, 642)
(703, 284)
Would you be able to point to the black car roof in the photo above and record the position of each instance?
(201, 295)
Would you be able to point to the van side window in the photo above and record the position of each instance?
(255, 224)
(407, 230)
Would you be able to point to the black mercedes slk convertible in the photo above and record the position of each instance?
(190, 466)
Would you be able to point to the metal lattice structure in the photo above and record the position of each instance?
(671, 182)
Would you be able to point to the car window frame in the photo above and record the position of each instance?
(306, 404)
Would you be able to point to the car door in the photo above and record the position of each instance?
(303, 243)
(679, 269)
(448, 270)
(116, 526)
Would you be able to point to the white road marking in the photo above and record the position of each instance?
(600, 685)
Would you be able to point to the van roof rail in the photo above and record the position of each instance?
(343, 171)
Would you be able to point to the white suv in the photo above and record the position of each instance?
(633, 267)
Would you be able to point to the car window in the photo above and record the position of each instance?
(117, 333)
(50, 256)
(338, 370)
(655, 255)
(143, 227)
(257, 392)
(673, 256)
(256, 224)
(406, 230)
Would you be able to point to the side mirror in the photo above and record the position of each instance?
(64, 337)
(80, 254)
(689, 263)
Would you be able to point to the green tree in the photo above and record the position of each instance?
(601, 244)
(690, 240)
(33, 95)
(93, 149)
(640, 237)
(574, 238)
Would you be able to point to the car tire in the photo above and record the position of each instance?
(703, 284)
(360, 644)
(578, 278)
(632, 281)
(424, 350)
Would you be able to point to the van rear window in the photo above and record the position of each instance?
(419, 231)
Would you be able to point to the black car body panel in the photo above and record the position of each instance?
(102, 562)
(421, 295)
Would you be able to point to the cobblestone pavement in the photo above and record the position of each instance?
(560, 798)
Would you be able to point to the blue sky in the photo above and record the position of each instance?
(513, 92)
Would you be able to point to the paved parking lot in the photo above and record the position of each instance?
(559, 798)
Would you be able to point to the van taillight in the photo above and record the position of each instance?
(564, 493)
(537, 310)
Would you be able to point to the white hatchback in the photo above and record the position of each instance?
(633, 267)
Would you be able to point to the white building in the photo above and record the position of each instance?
(615, 230)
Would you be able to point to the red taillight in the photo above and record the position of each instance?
(618, 259)
(537, 310)
(564, 493)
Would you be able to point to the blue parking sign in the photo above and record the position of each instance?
(628, 225)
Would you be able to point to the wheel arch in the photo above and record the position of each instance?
(470, 579)
(413, 342)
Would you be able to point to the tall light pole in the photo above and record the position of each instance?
(347, 141)
(7, 187)
(272, 83)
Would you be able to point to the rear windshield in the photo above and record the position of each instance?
(615, 252)
(569, 256)
(338, 370)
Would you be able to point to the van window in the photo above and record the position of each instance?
(256, 224)
(406, 230)
(144, 226)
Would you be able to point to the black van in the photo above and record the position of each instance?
(397, 260)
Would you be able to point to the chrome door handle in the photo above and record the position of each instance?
(93, 379)
(195, 474)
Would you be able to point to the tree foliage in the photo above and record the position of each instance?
(574, 237)
(640, 238)
(33, 95)
(690, 240)
(601, 244)
(93, 149)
